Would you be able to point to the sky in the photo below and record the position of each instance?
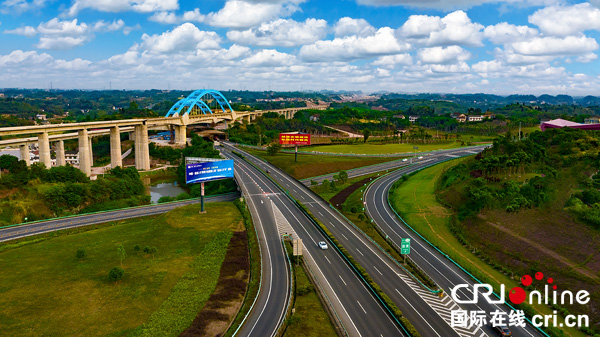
(408, 46)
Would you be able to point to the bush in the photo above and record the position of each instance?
(115, 274)
(81, 253)
(137, 248)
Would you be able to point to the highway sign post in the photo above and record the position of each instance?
(405, 247)
(201, 170)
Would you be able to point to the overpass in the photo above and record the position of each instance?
(200, 107)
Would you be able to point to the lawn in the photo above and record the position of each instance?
(316, 165)
(415, 200)
(371, 148)
(50, 292)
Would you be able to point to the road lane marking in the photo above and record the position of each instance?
(327, 260)
(360, 252)
(342, 280)
(363, 309)
(378, 271)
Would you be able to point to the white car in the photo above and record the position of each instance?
(323, 245)
(420, 157)
(404, 160)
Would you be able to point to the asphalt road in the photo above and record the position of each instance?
(443, 271)
(35, 228)
(360, 313)
(270, 306)
(385, 272)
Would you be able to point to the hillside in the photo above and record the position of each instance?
(534, 205)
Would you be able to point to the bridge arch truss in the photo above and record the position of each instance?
(201, 102)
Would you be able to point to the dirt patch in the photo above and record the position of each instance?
(223, 305)
(339, 199)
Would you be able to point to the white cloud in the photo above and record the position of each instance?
(566, 20)
(347, 26)
(61, 42)
(393, 60)
(269, 58)
(453, 4)
(506, 33)
(383, 42)
(281, 32)
(441, 55)
(103, 26)
(21, 58)
(245, 14)
(542, 46)
(587, 58)
(172, 18)
(114, 6)
(25, 31)
(455, 28)
(19, 6)
(183, 38)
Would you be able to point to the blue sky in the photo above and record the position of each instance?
(454, 46)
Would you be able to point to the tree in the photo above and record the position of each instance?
(7, 161)
(313, 182)
(366, 134)
(273, 149)
(325, 182)
(115, 274)
(343, 176)
(121, 252)
(81, 253)
(150, 250)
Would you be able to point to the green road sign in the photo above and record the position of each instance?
(405, 246)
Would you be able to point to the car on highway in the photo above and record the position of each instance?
(268, 171)
(502, 330)
(323, 245)
(420, 157)
(404, 160)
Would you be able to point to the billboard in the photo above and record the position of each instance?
(294, 139)
(207, 171)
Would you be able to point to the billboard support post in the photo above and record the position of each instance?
(296, 154)
(202, 197)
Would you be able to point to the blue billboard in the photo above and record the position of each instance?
(207, 171)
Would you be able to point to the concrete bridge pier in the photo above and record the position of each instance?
(44, 149)
(60, 153)
(115, 147)
(180, 134)
(25, 153)
(84, 152)
(91, 153)
(142, 151)
(248, 118)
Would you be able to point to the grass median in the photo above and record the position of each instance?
(54, 290)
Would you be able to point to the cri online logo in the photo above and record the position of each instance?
(518, 295)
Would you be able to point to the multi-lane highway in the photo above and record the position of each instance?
(436, 264)
(41, 227)
(359, 311)
(392, 279)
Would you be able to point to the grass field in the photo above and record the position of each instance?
(370, 148)
(50, 292)
(310, 318)
(315, 165)
(416, 202)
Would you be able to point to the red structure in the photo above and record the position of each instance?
(561, 123)
(294, 138)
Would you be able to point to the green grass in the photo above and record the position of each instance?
(416, 202)
(310, 318)
(48, 291)
(327, 193)
(315, 165)
(371, 148)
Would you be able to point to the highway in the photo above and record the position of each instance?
(360, 313)
(443, 271)
(392, 279)
(41, 227)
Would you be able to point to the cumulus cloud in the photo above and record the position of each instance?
(347, 26)
(393, 60)
(281, 32)
(505, 33)
(383, 42)
(172, 18)
(570, 45)
(183, 38)
(453, 4)
(60, 35)
(19, 6)
(567, 20)
(269, 58)
(114, 6)
(456, 28)
(443, 55)
(242, 14)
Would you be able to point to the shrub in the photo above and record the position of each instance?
(81, 253)
(136, 248)
(115, 274)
